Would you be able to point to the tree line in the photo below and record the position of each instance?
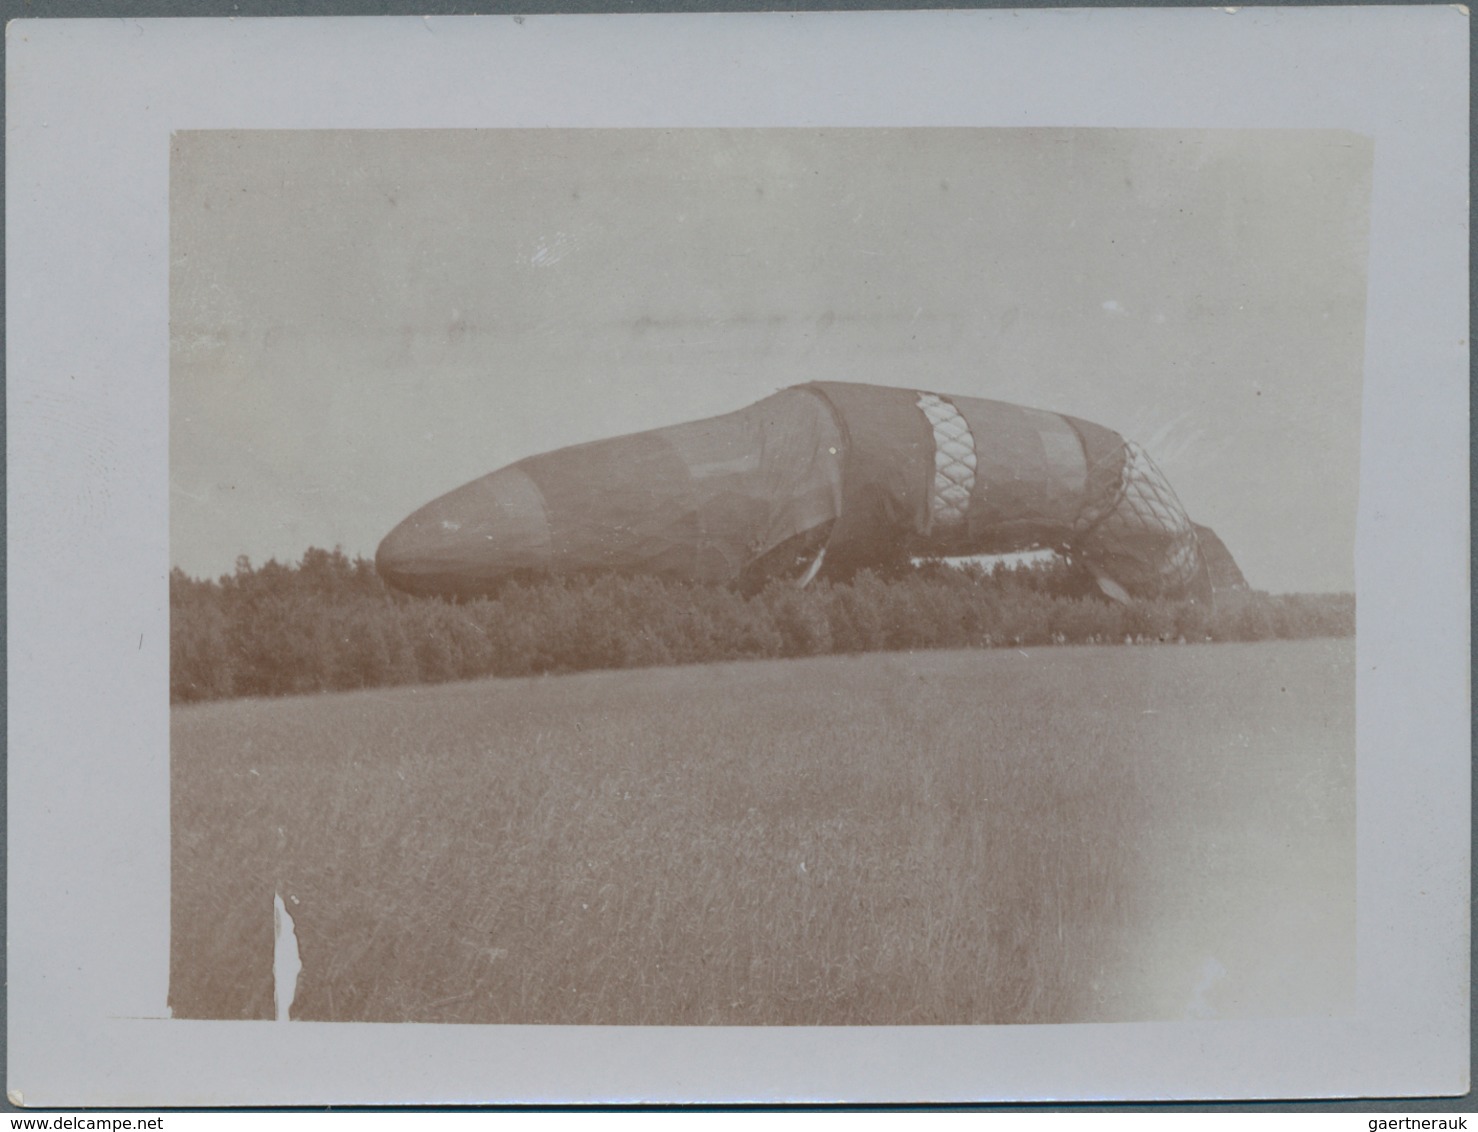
(329, 623)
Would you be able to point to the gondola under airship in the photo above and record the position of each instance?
(822, 478)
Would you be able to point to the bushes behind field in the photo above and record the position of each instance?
(329, 623)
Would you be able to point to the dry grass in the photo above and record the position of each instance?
(946, 837)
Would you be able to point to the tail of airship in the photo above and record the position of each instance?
(826, 477)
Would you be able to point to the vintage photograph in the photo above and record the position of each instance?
(764, 577)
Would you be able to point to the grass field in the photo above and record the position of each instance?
(1062, 834)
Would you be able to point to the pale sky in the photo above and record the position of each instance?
(362, 320)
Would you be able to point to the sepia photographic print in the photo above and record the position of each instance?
(799, 557)
(918, 588)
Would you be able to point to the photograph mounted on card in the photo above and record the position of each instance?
(701, 587)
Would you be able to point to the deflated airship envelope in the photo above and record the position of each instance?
(824, 477)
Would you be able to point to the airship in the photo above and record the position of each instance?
(819, 480)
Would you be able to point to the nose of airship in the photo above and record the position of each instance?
(468, 538)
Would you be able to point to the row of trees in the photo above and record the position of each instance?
(330, 623)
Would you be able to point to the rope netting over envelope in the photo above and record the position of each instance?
(828, 475)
